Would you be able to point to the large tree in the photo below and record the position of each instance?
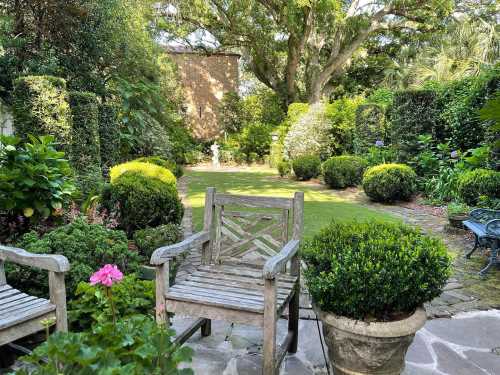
(296, 47)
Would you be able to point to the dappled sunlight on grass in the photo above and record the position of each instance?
(320, 206)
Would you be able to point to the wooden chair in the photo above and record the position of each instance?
(242, 277)
(21, 314)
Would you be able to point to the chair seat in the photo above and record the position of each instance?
(17, 307)
(237, 288)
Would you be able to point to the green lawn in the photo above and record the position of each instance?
(320, 206)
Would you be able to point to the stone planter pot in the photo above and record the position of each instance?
(359, 348)
(456, 220)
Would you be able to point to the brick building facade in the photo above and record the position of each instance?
(205, 79)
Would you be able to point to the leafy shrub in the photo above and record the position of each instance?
(264, 106)
(142, 201)
(381, 155)
(131, 296)
(135, 345)
(230, 114)
(172, 166)
(389, 182)
(35, 179)
(457, 208)
(343, 171)
(306, 167)
(415, 112)
(374, 270)
(87, 247)
(109, 134)
(40, 107)
(480, 182)
(147, 169)
(371, 126)
(284, 168)
(341, 116)
(85, 155)
(460, 101)
(149, 239)
(255, 138)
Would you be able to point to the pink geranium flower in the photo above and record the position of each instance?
(107, 275)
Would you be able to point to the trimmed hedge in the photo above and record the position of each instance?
(142, 201)
(146, 169)
(306, 167)
(284, 168)
(476, 185)
(374, 270)
(40, 107)
(85, 155)
(172, 166)
(390, 182)
(109, 134)
(415, 112)
(343, 171)
(371, 126)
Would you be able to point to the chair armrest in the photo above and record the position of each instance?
(275, 264)
(493, 227)
(49, 262)
(163, 254)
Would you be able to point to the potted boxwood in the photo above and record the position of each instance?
(368, 282)
(457, 213)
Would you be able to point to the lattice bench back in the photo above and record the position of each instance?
(248, 229)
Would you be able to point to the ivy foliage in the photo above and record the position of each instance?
(40, 107)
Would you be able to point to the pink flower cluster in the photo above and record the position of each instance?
(107, 275)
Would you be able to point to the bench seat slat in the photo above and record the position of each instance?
(17, 307)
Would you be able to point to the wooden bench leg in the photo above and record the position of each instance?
(293, 320)
(206, 328)
(270, 320)
(57, 292)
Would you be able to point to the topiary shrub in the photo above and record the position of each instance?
(87, 247)
(172, 166)
(40, 107)
(389, 182)
(85, 155)
(374, 270)
(371, 126)
(284, 168)
(142, 201)
(306, 167)
(473, 185)
(415, 112)
(109, 134)
(343, 171)
(149, 239)
(131, 296)
(146, 169)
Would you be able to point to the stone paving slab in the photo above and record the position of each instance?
(467, 344)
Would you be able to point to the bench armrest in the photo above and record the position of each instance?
(275, 264)
(493, 227)
(163, 254)
(49, 262)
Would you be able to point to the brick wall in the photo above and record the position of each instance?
(205, 79)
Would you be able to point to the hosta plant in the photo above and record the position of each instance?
(35, 179)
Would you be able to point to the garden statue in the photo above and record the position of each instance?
(215, 155)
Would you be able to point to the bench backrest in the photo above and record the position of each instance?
(250, 229)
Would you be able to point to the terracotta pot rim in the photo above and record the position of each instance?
(399, 328)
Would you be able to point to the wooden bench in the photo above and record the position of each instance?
(21, 314)
(250, 270)
(485, 224)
